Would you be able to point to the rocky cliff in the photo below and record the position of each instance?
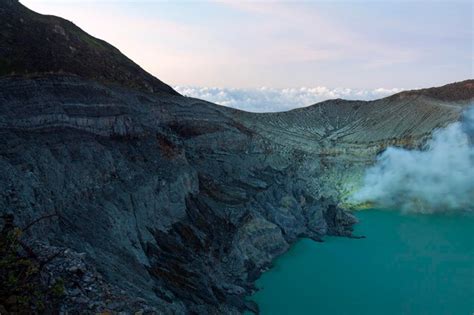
(176, 204)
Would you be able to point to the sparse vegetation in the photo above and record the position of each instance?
(22, 283)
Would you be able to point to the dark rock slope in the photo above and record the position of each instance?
(32, 43)
(178, 202)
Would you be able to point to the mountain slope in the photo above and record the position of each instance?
(457, 91)
(31, 43)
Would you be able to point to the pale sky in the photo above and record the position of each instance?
(242, 44)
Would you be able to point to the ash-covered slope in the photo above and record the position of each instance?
(401, 116)
(177, 201)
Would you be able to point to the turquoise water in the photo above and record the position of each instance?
(408, 264)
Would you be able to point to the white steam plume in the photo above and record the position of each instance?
(438, 178)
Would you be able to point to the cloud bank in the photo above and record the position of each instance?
(438, 178)
(274, 100)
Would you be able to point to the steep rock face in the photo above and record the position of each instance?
(173, 198)
(180, 201)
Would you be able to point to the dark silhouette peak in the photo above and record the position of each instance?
(31, 43)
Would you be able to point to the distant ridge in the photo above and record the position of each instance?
(457, 91)
(31, 43)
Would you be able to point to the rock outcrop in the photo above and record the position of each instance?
(179, 202)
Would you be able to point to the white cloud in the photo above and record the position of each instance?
(273, 100)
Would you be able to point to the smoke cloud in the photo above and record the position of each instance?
(438, 178)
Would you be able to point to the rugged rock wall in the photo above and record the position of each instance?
(173, 199)
(182, 202)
